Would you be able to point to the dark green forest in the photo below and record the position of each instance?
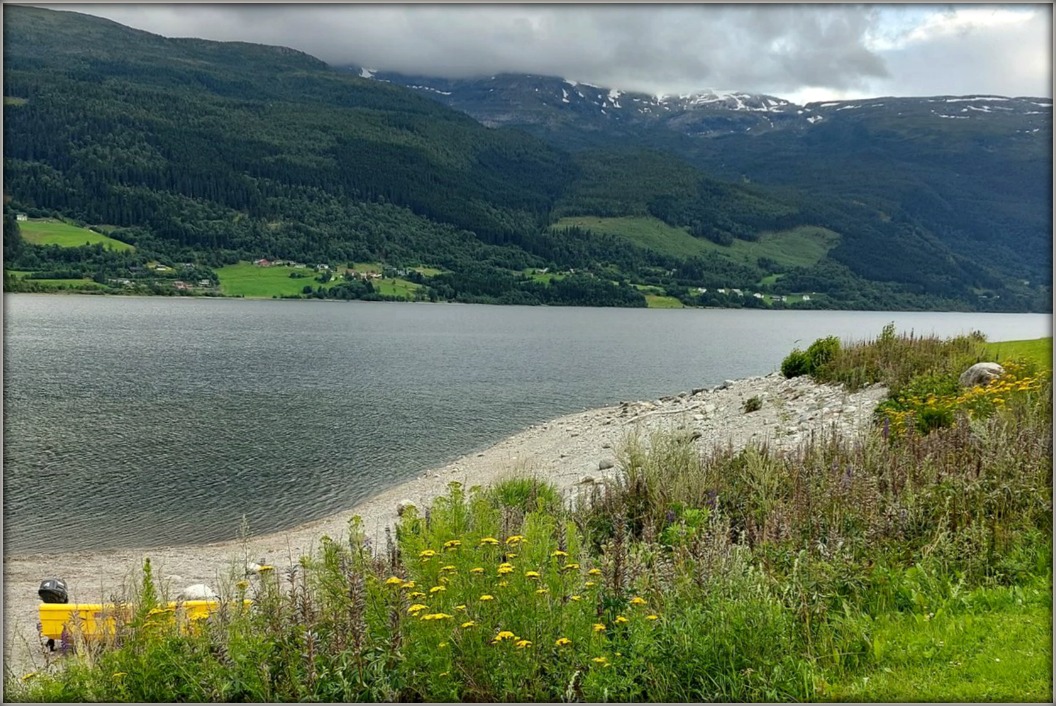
(202, 154)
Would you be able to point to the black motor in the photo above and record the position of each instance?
(53, 591)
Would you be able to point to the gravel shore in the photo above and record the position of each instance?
(570, 451)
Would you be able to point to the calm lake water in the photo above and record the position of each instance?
(148, 421)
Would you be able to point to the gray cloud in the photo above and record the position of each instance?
(777, 49)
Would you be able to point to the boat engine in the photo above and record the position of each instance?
(53, 591)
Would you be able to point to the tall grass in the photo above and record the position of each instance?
(732, 575)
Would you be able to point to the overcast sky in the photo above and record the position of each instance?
(798, 52)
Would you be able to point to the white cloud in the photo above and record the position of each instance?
(821, 51)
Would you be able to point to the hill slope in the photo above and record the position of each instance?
(208, 153)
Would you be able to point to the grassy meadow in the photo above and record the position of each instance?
(912, 564)
(797, 247)
(253, 282)
(51, 232)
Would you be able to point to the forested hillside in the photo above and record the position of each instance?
(202, 154)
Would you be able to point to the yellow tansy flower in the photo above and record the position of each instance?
(598, 627)
(600, 660)
(469, 624)
(477, 570)
(620, 619)
(571, 566)
(637, 600)
(558, 552)
(437, 616)
(514, 539)
(542, 590)
(562, 642)
(426, 554)
(531, 574)
(595, 572)
(453, 544)
(486, 597)
(488, 540)
(437, 589)
(416, 608)
(416, 594)
(651, 617)
(574, 597)
(589, 584)
(409, 584)
(448, 568)
(521, 644)
(504, 635)
(394, 581)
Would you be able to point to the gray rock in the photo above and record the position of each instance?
(401, 507)
(980, 374)
(606, 445)
(586, 480)
(605, 464)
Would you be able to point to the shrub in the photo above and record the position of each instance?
(753, 404)
(795, 364)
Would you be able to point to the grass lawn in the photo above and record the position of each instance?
(1038, 350)
(1000, 653)
(427, 271)
(544, 277)
(51, 232)
(396, 287)
(84, 283)
(248, 280)
(797, 247)
(11, 100)
(658, 301)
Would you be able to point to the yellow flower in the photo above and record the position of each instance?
(531, 574)
(437, 616)
(409, 584)
(394, 581)
(427, 554)
(601, 660)
(488, 540)
(563, 642)
(589, 584)
(460, 607)
(620, 619)
(503, 635)
(448, 568)
(416, 608)
(415, 594)
(477, 570)
(486, 597)
(242, 585)
(503, 584)
(511, 555)
(521, 644)
(637, 600)
(469, 624)
(595, 572)
(652, 617)
(542, 590)
(558, 552)
(572, 566)
(453, 544)
(574, 598)
(437, 589)
(442, 645)
(598, 627)
(505, 569)
(514, 539)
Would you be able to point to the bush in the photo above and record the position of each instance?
(822, 351)
(795, 364)
(753, 404)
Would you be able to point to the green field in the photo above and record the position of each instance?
(396, 287)
(797, 247)
(11, 100)
(659, 301)
(1038, 350)
(50, 232)
(248, 280)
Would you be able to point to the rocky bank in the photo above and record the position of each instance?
(571, 451)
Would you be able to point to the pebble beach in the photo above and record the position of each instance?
(570, 452)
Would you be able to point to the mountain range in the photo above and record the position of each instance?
(210, 153)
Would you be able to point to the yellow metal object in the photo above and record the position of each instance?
(97, 619)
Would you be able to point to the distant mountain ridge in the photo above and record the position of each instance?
(526, 99)
(208, 153)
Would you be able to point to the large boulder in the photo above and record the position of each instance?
(980, 374)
